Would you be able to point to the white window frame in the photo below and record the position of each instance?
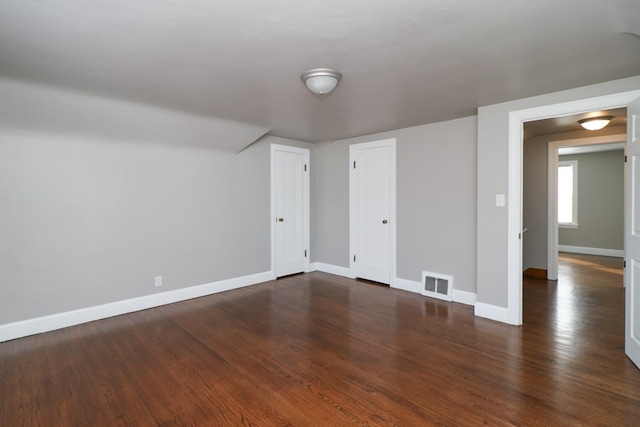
(574, 217)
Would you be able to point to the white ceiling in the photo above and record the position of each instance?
(404, 62)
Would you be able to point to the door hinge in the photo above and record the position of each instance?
(305, 253)
(354, 258)
(354, 164)
(625, 158)
(624, 264)
(305, 167)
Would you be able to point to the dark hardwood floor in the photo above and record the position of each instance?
(321, 350)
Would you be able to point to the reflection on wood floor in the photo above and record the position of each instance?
(322, 350)
(590, 270)
(578, 321)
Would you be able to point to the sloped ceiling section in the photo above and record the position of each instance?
(404, 62)
(43, 109)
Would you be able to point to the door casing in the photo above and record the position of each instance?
(514, 207)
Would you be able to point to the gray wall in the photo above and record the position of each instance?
(332, 204)
(493, 169)
(436, 202)
(88, 218)
(534, 203)
(600, 201)
(99, 196)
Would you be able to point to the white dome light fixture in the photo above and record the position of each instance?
(321, 81)
(595, 123)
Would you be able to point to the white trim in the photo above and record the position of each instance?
(407, 285)
(334, 269)
(391, 143)
(553, 148)
(307, 203)
(569, 225)
(514, 230)
(617, 253)
(514, 211)
(38, 325)
(493, 312)
(464, 297)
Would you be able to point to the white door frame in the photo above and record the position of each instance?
(306, 202)
(552, 192)
(391, 143)
(514, 207)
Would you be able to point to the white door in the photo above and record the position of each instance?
(632, 235)
(290, 209)
(372, 201)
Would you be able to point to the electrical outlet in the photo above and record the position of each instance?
(158, 281)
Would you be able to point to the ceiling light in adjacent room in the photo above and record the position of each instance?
(595, 123)
(321, 81)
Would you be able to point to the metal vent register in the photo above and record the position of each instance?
(437, 286)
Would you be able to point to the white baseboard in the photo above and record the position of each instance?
(493, 312)
(618, 253)
(406, 285)
(334, 269)
(38, 325)
(464, 297)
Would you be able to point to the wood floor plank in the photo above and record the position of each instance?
(322, 350)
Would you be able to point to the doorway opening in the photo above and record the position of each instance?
(584, 255)
(515, 178)
(547, 142)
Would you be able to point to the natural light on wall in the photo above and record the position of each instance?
(568, 193)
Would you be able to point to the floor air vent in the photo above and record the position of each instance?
(437, 286)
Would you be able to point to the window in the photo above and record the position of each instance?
(568, 194)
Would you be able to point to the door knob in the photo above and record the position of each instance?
(280, 219)
(384, 221)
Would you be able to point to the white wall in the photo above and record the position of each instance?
(92, 213)
(436, 202)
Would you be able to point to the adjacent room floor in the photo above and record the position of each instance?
(321, 350)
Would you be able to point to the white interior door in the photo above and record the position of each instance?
(290, 209)
(632, 235)
(372, 187)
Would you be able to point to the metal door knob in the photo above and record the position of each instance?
(384, 221)
(280, 219)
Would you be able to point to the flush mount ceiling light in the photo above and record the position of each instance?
(321, 81)
(595, 123)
